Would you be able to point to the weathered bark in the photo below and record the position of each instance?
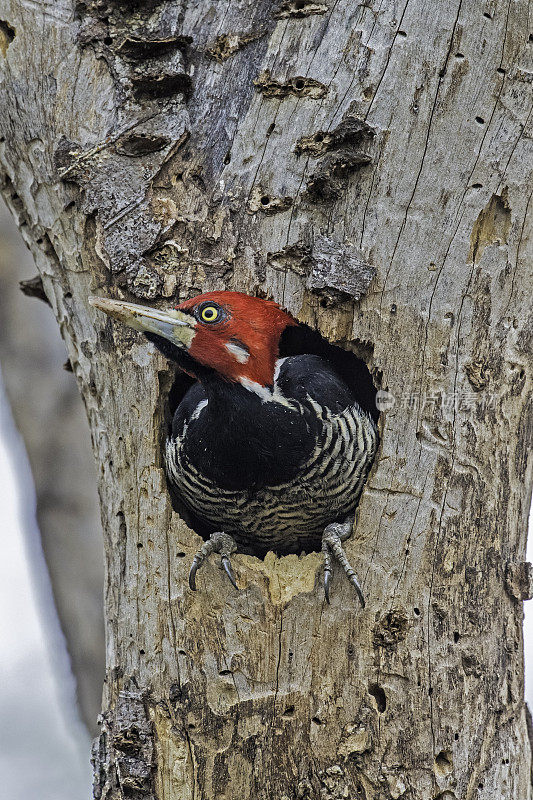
(50, 416)
(154, 150)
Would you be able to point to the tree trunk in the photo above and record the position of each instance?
(369, 167)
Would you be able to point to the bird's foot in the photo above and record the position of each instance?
(334, 535)
(218, 542)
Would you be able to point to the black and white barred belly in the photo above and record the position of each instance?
(289, 516)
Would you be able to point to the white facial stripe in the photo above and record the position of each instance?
(252, 386)
(241, 354)
(199, 408)
(277, 368)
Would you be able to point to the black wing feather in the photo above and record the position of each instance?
(301, 377)
(193, 396)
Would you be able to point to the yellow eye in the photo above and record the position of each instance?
(209, 314)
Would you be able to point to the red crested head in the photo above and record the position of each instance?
(237, 335)
(232, 333)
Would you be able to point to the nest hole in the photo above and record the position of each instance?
(443, 763)
(351, 365)
(7, 34)
(379, 696)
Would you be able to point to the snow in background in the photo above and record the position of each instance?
(44, 748)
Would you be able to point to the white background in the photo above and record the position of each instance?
(44, 748)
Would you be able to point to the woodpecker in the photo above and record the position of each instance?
(268, 453)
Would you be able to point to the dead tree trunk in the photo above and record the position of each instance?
(298, 150)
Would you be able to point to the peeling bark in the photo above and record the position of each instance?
(141, 165)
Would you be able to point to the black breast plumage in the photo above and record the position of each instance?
(272, 467)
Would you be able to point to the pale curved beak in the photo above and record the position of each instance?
(177, 327)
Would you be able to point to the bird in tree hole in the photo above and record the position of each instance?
(266, 452)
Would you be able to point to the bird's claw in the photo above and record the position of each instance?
(332, 539)
(357, 586)
(192, 574)
(226, 565)
(218, 542)
(327, 581)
